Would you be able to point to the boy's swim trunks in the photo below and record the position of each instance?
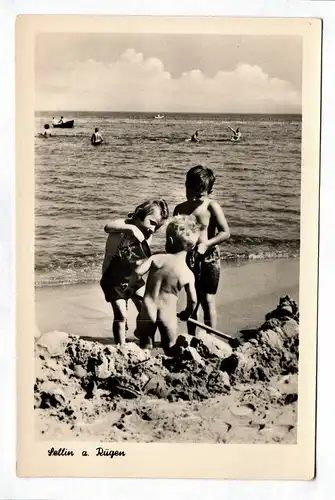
(206, 269)
(115, 279)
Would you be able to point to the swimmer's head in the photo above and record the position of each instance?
(46, 126)
(96, 129)
(150, 215)
(199, 183)
(182, 233)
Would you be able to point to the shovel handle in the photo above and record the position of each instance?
(234, 342)
(209, 329)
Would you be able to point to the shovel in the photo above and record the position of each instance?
(233, 342)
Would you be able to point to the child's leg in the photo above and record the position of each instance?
(209, 308)
(194, 263)
(146, 333)
(191, 328)
(210, 277)
(137, 301)
(146, 326)
(120, 320)
(168, 328)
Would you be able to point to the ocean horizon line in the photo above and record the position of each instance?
(167, 112)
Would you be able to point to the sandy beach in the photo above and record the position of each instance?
(247, 291)
(208, 391)
(211, 392)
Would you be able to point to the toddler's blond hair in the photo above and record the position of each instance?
(184, 231)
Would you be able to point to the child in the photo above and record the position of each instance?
(96, 138)
(236, 134)
(46, 132)
(194, 137)
(168, 274)
(127, 245)
(204, 260)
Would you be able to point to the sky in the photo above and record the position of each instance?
(168, 73)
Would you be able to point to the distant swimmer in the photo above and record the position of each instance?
(236, 134)
(96, 138)
(194, 137)
(46, 132)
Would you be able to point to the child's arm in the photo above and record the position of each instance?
(140, 270)
(144, 267)
(118, 225)
(221, 225)
(191, 296)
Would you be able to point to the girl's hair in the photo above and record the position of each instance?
(200, 179)
(147, 208)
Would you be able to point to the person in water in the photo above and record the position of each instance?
(126, 247)
(96, 138)
(204, 260)
(168, 275)
(46, 131)
(236, 134)
(194, 137)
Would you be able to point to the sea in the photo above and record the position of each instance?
(78, 187)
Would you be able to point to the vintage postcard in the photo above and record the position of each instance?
(167, 183)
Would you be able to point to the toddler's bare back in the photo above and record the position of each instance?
(168, 274)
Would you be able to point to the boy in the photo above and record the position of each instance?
(96, 138)
(204, 260)
(168, 274)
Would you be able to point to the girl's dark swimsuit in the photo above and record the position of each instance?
(115, 279)
(206, 269)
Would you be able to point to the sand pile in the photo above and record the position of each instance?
(271, 350)
(76, 380)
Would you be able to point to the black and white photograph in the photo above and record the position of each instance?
(168, 240)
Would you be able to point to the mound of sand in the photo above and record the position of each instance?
(79, 382)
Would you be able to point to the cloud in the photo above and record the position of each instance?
(136, 83)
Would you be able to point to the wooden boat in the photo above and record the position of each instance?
(159, 117)
(67, 124)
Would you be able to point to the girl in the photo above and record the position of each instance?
(127, 246)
